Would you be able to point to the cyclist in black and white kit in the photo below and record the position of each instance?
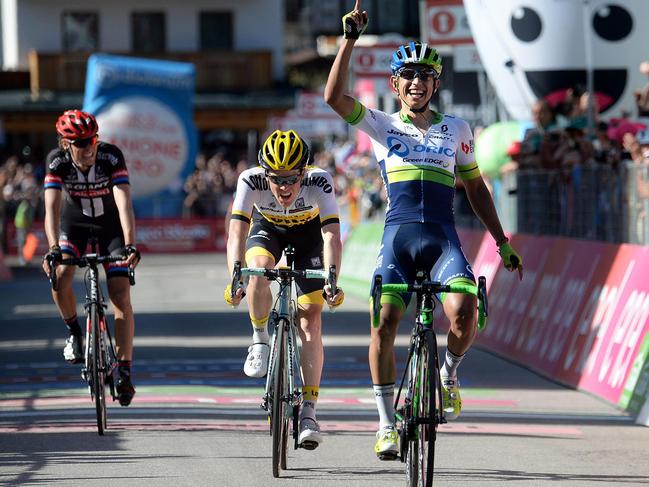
(97, 202)
(420, 152)
(287, 202)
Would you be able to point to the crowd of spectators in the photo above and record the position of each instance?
(554, 154)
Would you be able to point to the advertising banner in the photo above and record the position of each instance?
(153, 235)
(144, 107)
(580, 315)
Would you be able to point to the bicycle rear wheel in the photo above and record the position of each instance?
(421, 447)
(98, 386)
(278, 421)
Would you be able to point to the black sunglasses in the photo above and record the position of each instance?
(423, 74)
(284, 180)
(83, 143)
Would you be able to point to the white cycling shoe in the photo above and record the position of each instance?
(310, 436)
(256, 364)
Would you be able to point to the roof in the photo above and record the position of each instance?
(22, 101)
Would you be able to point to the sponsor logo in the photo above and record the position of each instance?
(318, 181)
(439, 162)
(465, 148)
(315, 262)
(397, 147)
(400, 134)
(257, 182)
(444, 128)
(56, 162)
(299, 203)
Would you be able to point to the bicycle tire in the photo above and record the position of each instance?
(97, 359)
(278, 413)
(421, 450)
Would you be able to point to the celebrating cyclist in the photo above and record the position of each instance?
(97, 201)
(419, 152)
(286, 202)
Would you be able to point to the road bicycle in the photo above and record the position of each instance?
(282, 396)
(100, 360)
(421, 411)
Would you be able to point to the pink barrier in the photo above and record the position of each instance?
(580, 314)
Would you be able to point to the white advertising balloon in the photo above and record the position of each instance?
(538, 49)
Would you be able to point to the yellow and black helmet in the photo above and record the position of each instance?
(284, 151)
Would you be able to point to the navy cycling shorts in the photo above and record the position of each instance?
(431, 247)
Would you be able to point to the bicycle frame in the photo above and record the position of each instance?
(284, 316)
(100, 358)
(419, 442)
(284, 370)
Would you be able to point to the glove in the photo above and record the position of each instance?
(351, 30)
(511, 259)
(132, 249)
(53, 255)
(338, 299)
(227, 295)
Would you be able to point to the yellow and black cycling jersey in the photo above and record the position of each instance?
(316, 199)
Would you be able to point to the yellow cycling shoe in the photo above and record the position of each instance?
(451, 399)
(387, 443)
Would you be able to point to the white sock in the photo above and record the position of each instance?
(260, 330)
(384, 395)
(451, 363)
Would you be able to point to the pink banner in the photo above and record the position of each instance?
(578, 316)
(155, 235)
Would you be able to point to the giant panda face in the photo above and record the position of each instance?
(537, 49)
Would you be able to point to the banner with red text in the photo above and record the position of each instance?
(154, 235)
(580, 315)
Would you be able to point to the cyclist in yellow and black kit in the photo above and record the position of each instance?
(280, 202)
(420, 152)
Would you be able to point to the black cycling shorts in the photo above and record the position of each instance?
(306, 239)
(75, 237)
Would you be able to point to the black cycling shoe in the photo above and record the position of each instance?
(125, 389)
(73, 351)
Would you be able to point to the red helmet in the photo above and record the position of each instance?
(75, 124)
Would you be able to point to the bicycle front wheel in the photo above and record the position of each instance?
(421, 448)
(278, 421)
(98, 386)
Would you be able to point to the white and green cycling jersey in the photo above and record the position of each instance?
(418, 170)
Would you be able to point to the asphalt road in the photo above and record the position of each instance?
(196, 419)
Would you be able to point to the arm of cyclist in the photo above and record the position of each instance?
(53, 200)
(484, 208)
(122, 195)
(354, 24)
(332, 252)
(236, 245)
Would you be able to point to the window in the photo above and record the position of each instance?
(216, 30)
(148, 33)
(80, 31)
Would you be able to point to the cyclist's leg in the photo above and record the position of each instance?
(393, 264)
(308, 246)
(64, 297)
(262, 250)
(119, 292)
(312, 358)
(460, 309)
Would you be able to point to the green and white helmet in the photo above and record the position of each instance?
(416, 52)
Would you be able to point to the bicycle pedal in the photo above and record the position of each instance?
(388, 456)
(309, 445)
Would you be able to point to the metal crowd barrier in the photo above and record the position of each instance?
(593, 202)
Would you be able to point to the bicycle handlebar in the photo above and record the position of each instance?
(431, 287)
(85, 261)
(281, 273)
